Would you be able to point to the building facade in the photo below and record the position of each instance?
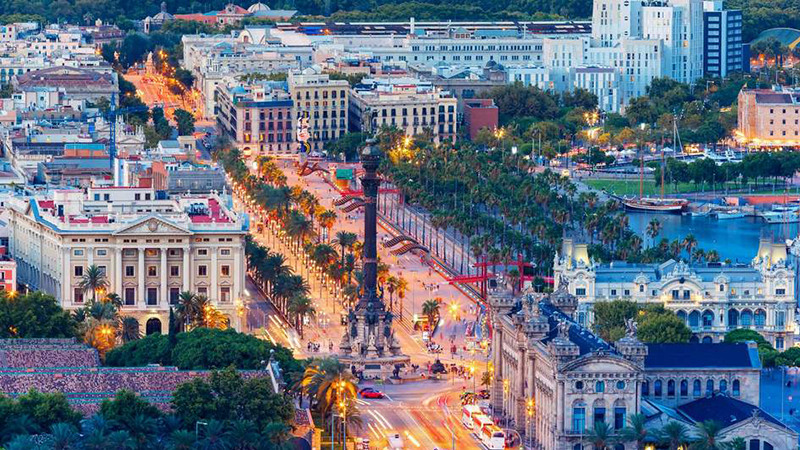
(150, 249)
(553, 380)
(405, 104)
(323, 102)
(769, 117)
(712, 298)
(257, 117)
(480, 114)
(722, 46)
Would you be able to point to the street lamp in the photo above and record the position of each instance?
(529, 407)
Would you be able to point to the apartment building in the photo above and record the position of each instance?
(769, 117)
(150, 248)
(258, 117)
(411, 105)
(324, 102)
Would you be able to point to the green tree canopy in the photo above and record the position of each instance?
(655, 323)
(227, 396)
(185, 121)
(126, 406)
(34, 315)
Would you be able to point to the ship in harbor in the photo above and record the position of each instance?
(655, 204)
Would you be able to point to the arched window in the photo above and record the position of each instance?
(709, 387)
(723, 386)
(754, 444)
(761, 318)
(708, 318)
(599, 409)
(681, 315)
(746, 318)
(707, 340)
(600, 387)
(671, 388)
(582, 318)
(735, 388)
(684, 388)
(579, 416)
(645, 389)
(694, 319)
(657, 388)
(620, 414)
(733, 318)
(696, 388)
(577, 447)
(153, 326)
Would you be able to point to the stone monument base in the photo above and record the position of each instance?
(375, 367)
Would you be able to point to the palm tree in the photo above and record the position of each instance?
(401, 288)
(636, 431)
(431, 309)
(708, 436)
(326, 220)
(346, 240)
(63, 436)
(674, 435)
(653, 228)
(300, 307)
(188, 309)
(114, 299)
(214, 436)
(600, 436)
(326, 383)
(243, 435)
(129, 329)
(120, 440)
(181, 440)
(94, 279)
(391, 286)
(17, 425)
(689, 243)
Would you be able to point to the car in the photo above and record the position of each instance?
(483, 394)
(371, 393)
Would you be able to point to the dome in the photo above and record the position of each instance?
(256, 7)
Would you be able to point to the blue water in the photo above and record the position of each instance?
(735, 239)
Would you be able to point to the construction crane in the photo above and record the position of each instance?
(111, 118)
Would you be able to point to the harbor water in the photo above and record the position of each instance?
(735, 239)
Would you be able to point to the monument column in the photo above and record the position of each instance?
(369, 183)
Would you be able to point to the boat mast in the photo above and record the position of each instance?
(641, 173)
(663, 169)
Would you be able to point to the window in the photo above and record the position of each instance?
(202, 271)
(709, 387)
(225, 271)
(152, 271)
(580, 292)
(225, 294)
(613, 292)
(202, 291)
(696, 388)
(599, 414)
(152, 296)
(645, 389)
(102, 252)
(684, 388)
(620, 385)
(225, 252)
(129, 272)
(174, 295)
(78, 271)
(779, 343)
(130, 296)
(619, 418)
(78, 295)
(780, 291)
(671, 388)
(579, 417)
(723, 386)
(600, 387)
(657, 388)
(202, 252)
(579, 385)
(77, 252)
(735, 388)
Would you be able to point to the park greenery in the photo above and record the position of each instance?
(235, 413)
(757, 167)
(495, 197)
(655, 323)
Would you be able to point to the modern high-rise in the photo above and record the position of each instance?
(322, 101)
(722, 41)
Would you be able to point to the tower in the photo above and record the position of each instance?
(369, 343)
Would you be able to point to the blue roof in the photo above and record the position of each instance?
(621, 271)
(496, 33)
(725, 410)
(586, 341)
(720, 355)
(84, 146)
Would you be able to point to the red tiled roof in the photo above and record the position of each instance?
(47, 204)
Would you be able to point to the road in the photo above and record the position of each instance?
(154, 90)
(422, 419)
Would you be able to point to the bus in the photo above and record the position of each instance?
(493, 437)
(466, 415)
(479, 420)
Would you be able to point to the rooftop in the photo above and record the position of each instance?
(718, 355)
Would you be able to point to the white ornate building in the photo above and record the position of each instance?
(151, 249)
(713, 298)
(554, 381)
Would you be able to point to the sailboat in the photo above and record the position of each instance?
(654, 204)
